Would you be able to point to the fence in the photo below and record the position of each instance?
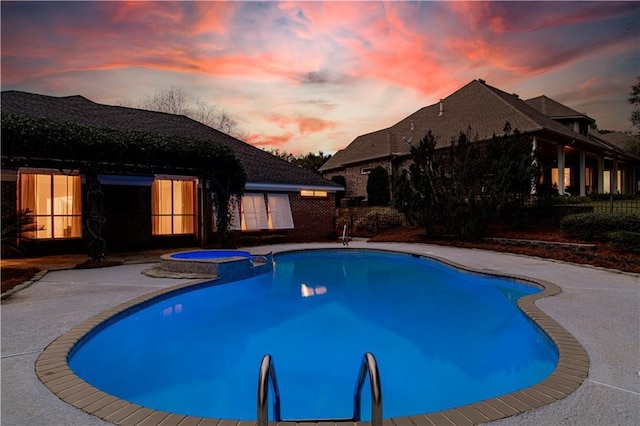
(370, 221)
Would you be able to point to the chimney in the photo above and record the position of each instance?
(515, 95)
(441, 109)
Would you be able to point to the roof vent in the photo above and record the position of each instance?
(482, 81)
(515, 95)
(441, 109)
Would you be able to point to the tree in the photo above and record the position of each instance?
(175, 100)
(378, 187)
(634, 100)
(458, 190)
(172, 101)
(309, 161)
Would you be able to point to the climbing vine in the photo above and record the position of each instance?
(47, 142)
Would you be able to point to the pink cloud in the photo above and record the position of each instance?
(262, 140)
(305, 125)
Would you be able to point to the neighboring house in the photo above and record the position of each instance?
(572, 158)
(147, 211)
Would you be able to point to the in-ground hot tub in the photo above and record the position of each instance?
(226, 265)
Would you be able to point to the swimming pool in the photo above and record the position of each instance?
(442, 337)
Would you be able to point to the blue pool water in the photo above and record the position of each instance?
(210, 254)
(442, 338)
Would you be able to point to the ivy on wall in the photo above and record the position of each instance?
(46, 142)
(25, 137)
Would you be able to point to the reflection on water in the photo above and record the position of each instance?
(307, 291)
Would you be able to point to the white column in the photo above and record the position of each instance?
(614, 177)
(600, 174)
(561, 169)
(583, 174)
(534, 161)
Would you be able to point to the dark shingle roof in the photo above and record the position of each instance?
(555, 109)
(477, 107)
(260, 166)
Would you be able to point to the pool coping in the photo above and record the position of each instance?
(52, 368)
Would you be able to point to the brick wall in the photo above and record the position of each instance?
(313, 217)
(356, 180)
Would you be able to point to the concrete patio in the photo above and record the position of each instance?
(600, 308)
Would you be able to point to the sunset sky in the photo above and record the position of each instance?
(311, 76)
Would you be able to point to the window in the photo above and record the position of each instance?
(55, 200)
(310, 193)
(254, 213)
(567, 177)
(279, 211)
(173, 207)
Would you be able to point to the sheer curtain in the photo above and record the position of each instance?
(186, 208)
(28, 197)
(155, 207)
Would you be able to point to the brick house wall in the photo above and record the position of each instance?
(313, 217)
(356, 179)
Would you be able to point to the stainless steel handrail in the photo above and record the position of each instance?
(267, 374)
(369, 365)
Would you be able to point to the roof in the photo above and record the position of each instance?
(555, 109)
(481, 109)
(260, 166)
(617, 140)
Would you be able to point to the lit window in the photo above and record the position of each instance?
(254, 213)
(567, 177)
(55, 201)
(173, 207)
(309, 193)
(279, 211)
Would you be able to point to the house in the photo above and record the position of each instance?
(573, 159)
(145, 210)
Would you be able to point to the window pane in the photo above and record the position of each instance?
(279, 212)
(164, 223)
(43, 194)
(254, 212)
(44, 221)
(164, 197)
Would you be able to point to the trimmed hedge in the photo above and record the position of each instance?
(597, 226)
(625, 241)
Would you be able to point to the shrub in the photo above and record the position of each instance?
(597, 226)
(625, 241)
(378, 187)
(376, 220)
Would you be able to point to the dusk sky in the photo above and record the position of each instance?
(312, 76)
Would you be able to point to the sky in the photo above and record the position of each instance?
(311, 76)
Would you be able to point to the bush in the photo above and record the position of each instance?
(597, 226)
(625, 241)
(376, 220)
(378, 187)
(616, 197)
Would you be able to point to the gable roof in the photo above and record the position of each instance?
(262, 169)
(556, 110)
(481, 109)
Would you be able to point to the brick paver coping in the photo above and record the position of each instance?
(572, 369)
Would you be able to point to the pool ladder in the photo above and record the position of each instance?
(368, 365)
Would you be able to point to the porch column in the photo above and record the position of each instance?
(561, 169)
(583, 174)
(614, 177)
(600, 174)
(534, 162)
